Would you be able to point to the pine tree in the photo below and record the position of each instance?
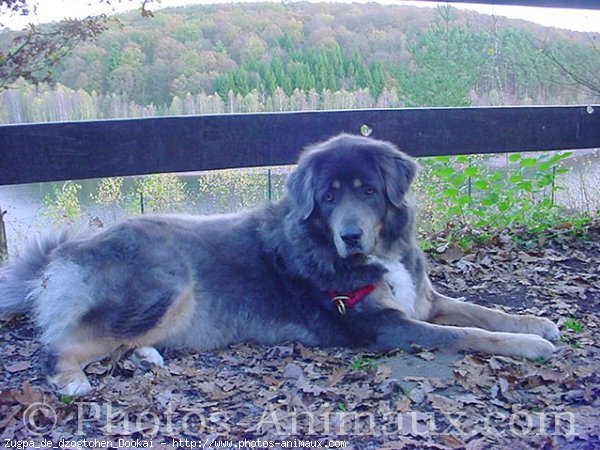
(377, 80)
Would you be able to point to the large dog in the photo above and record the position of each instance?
(335, 263)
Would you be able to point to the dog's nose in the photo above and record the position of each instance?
(351, 237)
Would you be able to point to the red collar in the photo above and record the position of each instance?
(344, 301)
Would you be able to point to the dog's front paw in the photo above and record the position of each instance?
(542, 327)
(535, 347)
(550, 331)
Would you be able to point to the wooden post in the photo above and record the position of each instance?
(3, 243)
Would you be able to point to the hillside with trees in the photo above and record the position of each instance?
(299, 56)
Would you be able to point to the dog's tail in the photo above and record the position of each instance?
(16, 276)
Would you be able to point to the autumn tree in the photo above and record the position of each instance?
(32, 53)
(446, 59)
(382, 55)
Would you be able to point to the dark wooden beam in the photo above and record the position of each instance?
(572, 4)
(78, 150)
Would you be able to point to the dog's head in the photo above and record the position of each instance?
(349, 185)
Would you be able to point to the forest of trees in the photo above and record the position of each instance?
(297, 56)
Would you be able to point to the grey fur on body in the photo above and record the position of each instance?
(261, 275)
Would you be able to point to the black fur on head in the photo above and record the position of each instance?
(397, 169)
(301, 188)
(343, 158)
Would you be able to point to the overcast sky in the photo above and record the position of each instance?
(579, 20)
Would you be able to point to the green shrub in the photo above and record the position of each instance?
(235, 189)
(158, 194)
(63, 204)
(109, 192)
(469, 191)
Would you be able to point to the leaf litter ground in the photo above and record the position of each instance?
(291, 394)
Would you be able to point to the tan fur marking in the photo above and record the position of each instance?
(424, 304)
(86, 344)
(383, 297)
(457, 313)
(82, 347)
(177, 317)
(357, 183)
(449, 311)
(336, 184)
(75, 351)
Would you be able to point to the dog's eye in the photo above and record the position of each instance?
(329, 197)
(369, 190)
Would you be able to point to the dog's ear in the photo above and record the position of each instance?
(399, 172)
(301, 189)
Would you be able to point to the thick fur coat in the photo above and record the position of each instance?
(335, 263)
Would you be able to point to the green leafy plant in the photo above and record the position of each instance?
(62, 205)
(341, 406)
(158, 193)
(234, 189)
(109, 192)
(67, 399)
(475, 192)
(364, 364)
(573, 325)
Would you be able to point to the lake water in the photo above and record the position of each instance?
(196, 193)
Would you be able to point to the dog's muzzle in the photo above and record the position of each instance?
(350, 240)
(352, 226)
(351, 237)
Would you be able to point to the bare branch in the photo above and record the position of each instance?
(584, 76)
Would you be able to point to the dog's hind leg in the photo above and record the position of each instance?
(146, 357)
(450, 311)
(61, 298)
(89, 309)
(66, 359)
(97, 335)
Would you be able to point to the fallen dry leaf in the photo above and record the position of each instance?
(17, 366)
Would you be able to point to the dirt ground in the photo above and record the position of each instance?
(292, 396)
